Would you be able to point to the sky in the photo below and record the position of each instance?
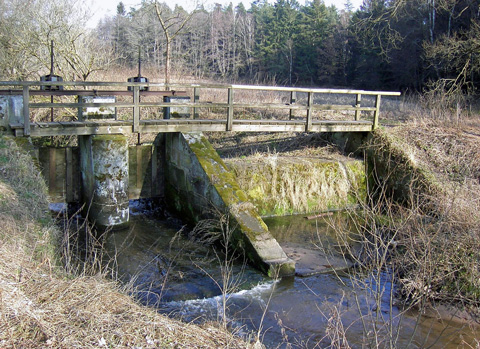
(104, 8)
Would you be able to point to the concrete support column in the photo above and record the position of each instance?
(104, 171)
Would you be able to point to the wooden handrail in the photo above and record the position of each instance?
(34, 88)
(182, 86)
(95, 93)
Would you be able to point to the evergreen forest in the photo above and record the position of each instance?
(414, 45)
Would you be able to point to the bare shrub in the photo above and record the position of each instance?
(402, 262)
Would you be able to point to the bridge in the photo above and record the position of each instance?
(146, 108)
(103, 172)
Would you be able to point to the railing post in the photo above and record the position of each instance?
(308, 125)
(166, 110)
(293, 100)
(136, 108)
(230, 109)
(196, 98)
(376, 113)
(358, 101)
(26, 111)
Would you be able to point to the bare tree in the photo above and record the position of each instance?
(26, 33)
(173, 23)
(86, 55)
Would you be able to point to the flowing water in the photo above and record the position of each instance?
(184, 279)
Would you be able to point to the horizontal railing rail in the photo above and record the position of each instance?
(230, 103)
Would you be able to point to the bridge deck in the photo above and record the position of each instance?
(41, 129)
(217, 109)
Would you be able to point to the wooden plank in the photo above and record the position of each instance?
(341, 122)
(268, 128)
(94, 93)
(376, 114)
(68, 175)
(200, 127)
(15, 126)
(18, 132)
(80, 105)
(185, 104)
(203, 105)
(271, 106)
(358, 101)
(293, 100)
(313, 90)
(218, 127)
(269, 122)
(230, 110)
(82, 123)
(26, 111)
(196, 98)
(309, 112)
(188, 125)
(341, 128)
(80, 131)
(182, 121)
(190, 86)
(66, 124)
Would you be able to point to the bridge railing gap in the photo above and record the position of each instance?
(204, 111)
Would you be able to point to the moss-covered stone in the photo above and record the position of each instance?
(207, 188)
(281, 186)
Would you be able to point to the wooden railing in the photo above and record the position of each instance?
(284, 99)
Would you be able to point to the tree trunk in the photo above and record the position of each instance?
(167, 64)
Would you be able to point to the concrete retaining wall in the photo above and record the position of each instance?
(198, 184)
(279, 186)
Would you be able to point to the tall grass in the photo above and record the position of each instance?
(286, 185)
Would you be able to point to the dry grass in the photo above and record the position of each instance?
(438, 239)
(256, 145)
(451, 156)
(43, 306)
(282, 185)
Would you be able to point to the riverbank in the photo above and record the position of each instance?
(433, 171)
(41, 305)
(425, 183)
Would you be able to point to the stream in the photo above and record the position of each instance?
(166, 269)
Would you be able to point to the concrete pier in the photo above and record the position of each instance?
(104, 170)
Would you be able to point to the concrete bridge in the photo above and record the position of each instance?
(103, 172)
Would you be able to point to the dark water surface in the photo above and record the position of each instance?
(184, 279)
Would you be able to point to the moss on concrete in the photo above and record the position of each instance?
(199, 184)
(391, 165)
(282, 185)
